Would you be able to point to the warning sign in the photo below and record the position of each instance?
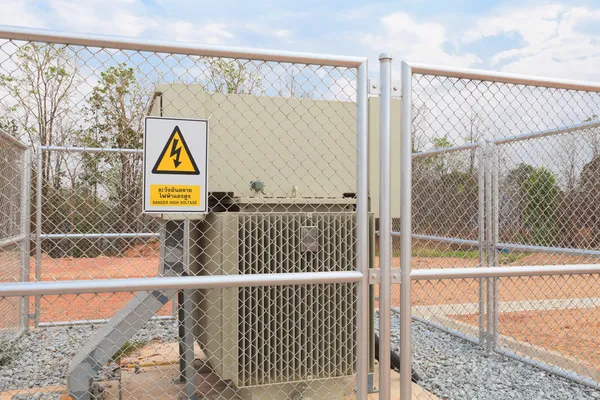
(175, 165)
(176, 157)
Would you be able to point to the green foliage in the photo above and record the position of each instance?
(441, 142)
(117, 107)
(231, 77)
(127, 348)
(79, 211)
(542, 196)
(520, 174)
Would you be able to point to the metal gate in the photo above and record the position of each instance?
(499, 235)
(14, 235)
(271, 286)
(499, 227)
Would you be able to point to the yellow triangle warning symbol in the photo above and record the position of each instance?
(176, 157)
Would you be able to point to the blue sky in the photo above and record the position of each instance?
(551, 38)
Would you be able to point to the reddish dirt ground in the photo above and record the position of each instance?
(509, 289)
(145, 264)
(86, 306)
(92, 306)
(572, 332)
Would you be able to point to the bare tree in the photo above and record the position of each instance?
(473, 131)
(420, 125)
(292, 87)
(39, 94)
(232, 77)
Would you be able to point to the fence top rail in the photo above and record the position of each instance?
(113, 42)
(549, 132)
(504, 272)
(13, 140)
(163, 283)
(517, 79)
(74, 149)
(445, 150)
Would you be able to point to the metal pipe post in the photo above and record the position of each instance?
(481, 236)
(494, 241)
(25, 230)
(188, 370)
(489, 258)
(385, 225)
(406, 231)
(38, 232)
(362, 235)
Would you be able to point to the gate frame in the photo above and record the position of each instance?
(492, 272)
(360, 275)
(23, 239)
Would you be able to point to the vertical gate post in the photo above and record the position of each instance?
(494, 238)
(38, 231)
(385, 225)
(25, 228)
(406, 234)
(481, 235)
(489, 253)
(362, 235)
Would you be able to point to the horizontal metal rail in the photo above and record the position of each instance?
(546, 249)
(504, 272)
(442, 239)
(12, 241)
(511, 139)
(508, 246)
(144, 235)
(96, 321)
(489, 76)
(156, 46)
(445, 150)
(13, 140)
(548, 132)
(178, 283)
(74, 149)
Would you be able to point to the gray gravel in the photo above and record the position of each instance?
(42, 355)
(455, 369)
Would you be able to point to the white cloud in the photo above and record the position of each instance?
(114, 17)
(534, 24)
(416, 41)
(553, 42)
(19, 13)
(267, 31)
(214, 33)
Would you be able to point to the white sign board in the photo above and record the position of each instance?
(175, 165)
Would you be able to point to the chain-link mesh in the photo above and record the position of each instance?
(282, 199)
(13, 234)
(503, 175)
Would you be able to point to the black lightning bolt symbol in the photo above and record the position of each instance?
(175, 152)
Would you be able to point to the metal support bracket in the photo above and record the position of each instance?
(375, 275)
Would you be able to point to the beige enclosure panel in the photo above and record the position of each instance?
(279, 129)
(283, 142)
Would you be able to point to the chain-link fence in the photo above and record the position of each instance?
(277, 304)
(502, 176)
(14, 235)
